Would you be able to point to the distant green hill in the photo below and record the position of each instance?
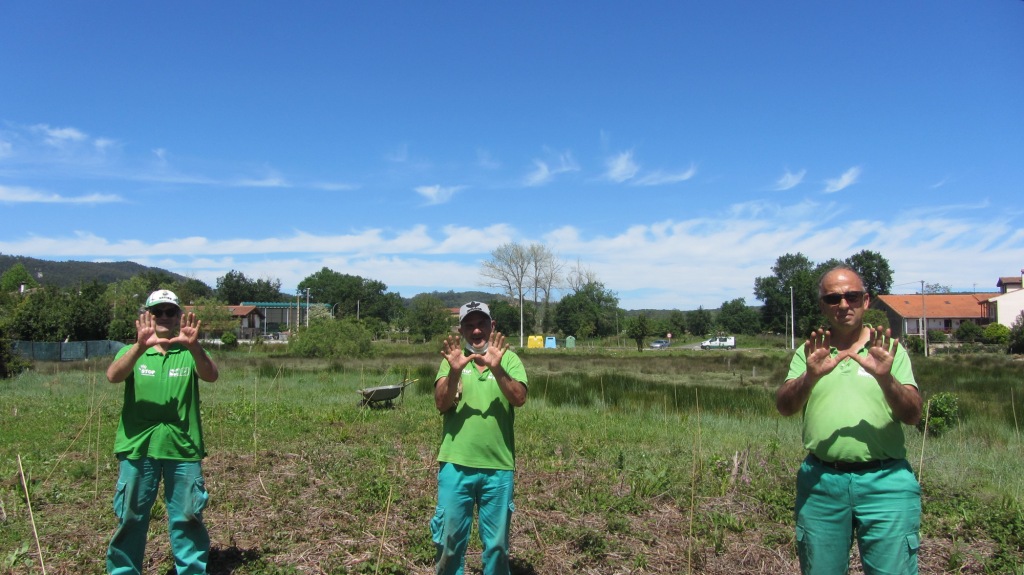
(457, 298)
(71, 273)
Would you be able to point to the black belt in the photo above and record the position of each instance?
(853, 465)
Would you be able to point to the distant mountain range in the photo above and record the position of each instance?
(71, 273)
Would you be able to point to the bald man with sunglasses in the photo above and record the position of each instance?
(855, 388)
(160, 437)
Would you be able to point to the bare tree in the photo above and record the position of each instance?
(580, 276)
(545, 276)
(508, 270)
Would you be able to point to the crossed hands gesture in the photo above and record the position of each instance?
(188, 332)
(878, 362)
(451, 349)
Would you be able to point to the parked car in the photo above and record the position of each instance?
(660, 344)
(720, 342)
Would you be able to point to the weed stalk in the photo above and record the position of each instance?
(31, 518)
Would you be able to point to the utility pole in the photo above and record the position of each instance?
(924, 320)
(792, 321)
(307, 307)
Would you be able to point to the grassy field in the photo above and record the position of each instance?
(661, 462)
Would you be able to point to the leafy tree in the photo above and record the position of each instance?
(874, 270)
(937, 288)
(637, 328)
(216, 318)
(735, 317)
(591, 311)
(234, 288)
(90, 313)
(968, 332)
(791, 272)
(506, 316)
(15, 277)
(11, 364)
(875, 318)
(798, 273)
(353, 296)
(428, 317)
(342, 339)
(43, 315)
(676, 323)
(996, 334)
(192, 290)
(1017, 334)
(699, 322)
(126, 299)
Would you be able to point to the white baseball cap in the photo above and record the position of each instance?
(162, 296)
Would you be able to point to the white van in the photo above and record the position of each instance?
(720, 342)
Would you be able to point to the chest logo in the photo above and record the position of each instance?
(146, 371)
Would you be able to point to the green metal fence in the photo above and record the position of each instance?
(65, 351)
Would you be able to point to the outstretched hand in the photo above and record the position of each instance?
(188, 332)
(451, 349)
(145, 327)
(818, 352)
(881, 352)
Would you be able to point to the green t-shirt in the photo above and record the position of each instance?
(160, 417)
(847, 417)
(478, 431)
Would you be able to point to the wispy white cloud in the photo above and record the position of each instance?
(687, 253)
(661, 178)
(621, 167)
(437, 194)
(844, 181)
(59, 137)
(545, 171)
(939, 184)
(789, 180)
(26, 195)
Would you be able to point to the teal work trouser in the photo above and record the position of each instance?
(459, 490)
(185, 497)
(883, 507)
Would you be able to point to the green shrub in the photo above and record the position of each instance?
(968, 332)
(914, 344)
(937, 336)
(229, 340)
(942, 413)
(344, 338)
(996, 334)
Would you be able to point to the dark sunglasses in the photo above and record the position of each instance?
(159, 312)
(851, 297)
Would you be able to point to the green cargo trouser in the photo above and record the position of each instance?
(185, 497)
(882, 505)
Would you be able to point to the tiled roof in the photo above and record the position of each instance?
(236, 310)
(937, 305)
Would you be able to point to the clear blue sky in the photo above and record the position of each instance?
(676, 149)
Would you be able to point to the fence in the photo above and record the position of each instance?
(65, 351)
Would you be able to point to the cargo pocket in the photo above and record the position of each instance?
(200, 497)
(119, 497)
(437, 527)
(913, 543)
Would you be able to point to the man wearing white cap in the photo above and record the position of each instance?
(160, 436)
(477, 391)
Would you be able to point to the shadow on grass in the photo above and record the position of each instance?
(224, 560)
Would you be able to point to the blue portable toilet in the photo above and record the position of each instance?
(549, 342)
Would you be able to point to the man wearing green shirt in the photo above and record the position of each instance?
(477, 391)
(160, 436)
(855, 388)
